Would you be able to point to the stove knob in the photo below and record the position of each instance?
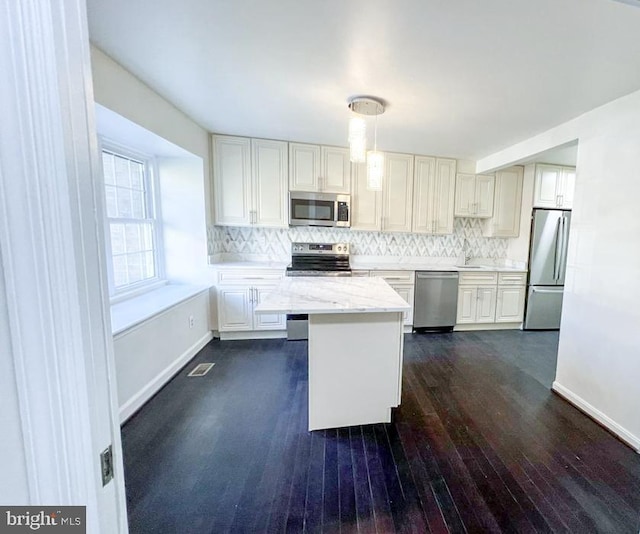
(339, 249)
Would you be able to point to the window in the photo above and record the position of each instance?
(132, 226)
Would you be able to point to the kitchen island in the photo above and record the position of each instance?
(355, 346)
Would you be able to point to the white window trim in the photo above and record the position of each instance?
(152, 192)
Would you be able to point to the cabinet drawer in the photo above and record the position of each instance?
(478, 278)
(395, 277)
(512, 279)
(249, 277)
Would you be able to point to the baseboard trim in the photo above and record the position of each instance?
(139, 399)
(595, 414)
(486, 326)
(253, 334)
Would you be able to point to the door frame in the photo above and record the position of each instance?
(53, 261)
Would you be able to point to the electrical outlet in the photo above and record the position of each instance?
(192, 321)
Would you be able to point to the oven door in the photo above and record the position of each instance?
(312, 209)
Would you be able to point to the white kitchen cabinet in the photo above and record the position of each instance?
(397, 205)
(477, 292)
(554, 186)
(232, 180)
(476, 304)
(335, 170)
(474, 195)
(239, 292)
(486, 304)
(235, 309)
(269, 184)
(511, 295)
(403, 282)
(264, 321)
(317, 168)
(366, 205)
(510, 304)
(467, 300)
(507, 204)
(433, 195)
(486, 297)
(250, 182)
(304, 167)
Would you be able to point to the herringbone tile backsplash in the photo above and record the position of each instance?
(276, 243)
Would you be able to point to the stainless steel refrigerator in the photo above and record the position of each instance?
(547, 265)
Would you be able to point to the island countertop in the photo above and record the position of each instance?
(332, 295)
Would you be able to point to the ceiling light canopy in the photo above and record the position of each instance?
(366, 106)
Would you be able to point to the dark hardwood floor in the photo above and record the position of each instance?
(479, 444)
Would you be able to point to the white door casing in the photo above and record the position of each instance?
(53, 262)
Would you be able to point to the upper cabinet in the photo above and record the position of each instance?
(474, 195)
(433, 195)
(250, 181)
(397, 204)
(554, 187)
(507, 204)
(366, 205)
(319, 168)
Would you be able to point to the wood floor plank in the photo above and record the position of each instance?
(479, 444)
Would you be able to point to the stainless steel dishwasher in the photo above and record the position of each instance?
(436, 300)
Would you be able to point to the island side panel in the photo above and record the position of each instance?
(355, 368)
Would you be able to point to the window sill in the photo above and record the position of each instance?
(129, 313)
(137, 291)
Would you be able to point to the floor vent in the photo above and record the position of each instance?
(201, 369)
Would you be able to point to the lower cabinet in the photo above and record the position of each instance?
(488, 297)
(239, 294)
(512, 290)
(404, 284)
(476, 304)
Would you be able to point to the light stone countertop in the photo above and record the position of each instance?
(372, 263)
(275, 265)
(369, 266)
(332, 295)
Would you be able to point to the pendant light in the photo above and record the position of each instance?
(375, 163)
(365, 105)
(357, 140)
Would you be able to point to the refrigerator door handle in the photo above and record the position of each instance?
(565, 241)
(558, 251)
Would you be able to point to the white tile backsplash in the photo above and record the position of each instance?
(276, 243)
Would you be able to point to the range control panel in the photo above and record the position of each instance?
(319, 248)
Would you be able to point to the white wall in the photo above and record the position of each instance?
(13, 468)
(149, 354)
(518, 249)
(184, 227)
(599, 353)
(120, 91)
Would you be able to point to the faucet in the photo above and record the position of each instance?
(466, 254)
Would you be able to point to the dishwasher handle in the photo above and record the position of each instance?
(435, 274)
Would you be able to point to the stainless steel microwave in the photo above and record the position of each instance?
(319, 209)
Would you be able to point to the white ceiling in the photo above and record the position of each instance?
(462, 78)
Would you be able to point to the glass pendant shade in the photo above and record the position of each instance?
(375, 170)
(357, 140)
(357, 151)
